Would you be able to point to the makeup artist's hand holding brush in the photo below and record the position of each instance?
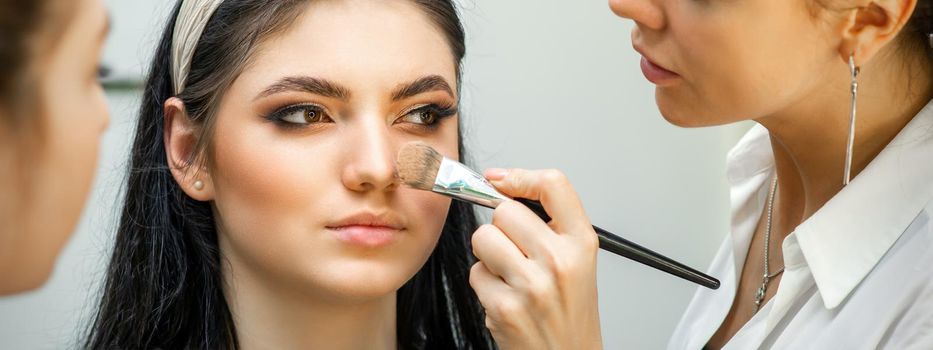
(537, 280)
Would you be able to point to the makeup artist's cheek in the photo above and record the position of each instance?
(712, 57)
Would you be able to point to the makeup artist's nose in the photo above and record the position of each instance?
(370, 164)
(645, 13)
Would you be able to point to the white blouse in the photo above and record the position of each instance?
(859, 272)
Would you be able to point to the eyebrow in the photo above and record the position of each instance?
(312, 85)
(331, 89)
(420, 86)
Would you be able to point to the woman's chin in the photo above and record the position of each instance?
(363, 280)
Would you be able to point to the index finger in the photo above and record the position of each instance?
(551, 188)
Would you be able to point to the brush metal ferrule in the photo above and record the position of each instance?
(457, 180)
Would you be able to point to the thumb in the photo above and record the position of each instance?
(550, 187)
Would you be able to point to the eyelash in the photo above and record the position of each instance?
(439, 112)
(279, 116)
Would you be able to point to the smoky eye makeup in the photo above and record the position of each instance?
(419, 118)
(298, 116)
(427, 116)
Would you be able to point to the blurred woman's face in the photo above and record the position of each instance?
(720, 61)
(302, 159)
(71, 116)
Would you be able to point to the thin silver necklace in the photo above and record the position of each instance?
(766, 277)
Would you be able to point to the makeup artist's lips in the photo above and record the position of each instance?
(366, 230)
(655, 73)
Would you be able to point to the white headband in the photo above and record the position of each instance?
(192, 18)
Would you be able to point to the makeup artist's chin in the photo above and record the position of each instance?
(677, 114)
(682, 107)
(672, 111)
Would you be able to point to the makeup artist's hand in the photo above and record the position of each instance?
(537, 280)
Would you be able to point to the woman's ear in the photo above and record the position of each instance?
(871, 25)
(181, 137)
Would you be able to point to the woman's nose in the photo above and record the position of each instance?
(370, 164)
(645, 13)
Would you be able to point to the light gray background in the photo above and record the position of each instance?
(548, 84)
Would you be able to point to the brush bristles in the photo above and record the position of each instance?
(417, 165)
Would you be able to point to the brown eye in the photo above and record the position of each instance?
(313, 116)
(421, 116)
(301, 115)
(427, 117)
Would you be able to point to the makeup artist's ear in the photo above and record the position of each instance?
(870, 25)
(180, 137)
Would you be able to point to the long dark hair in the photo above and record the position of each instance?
(164, 286)
(919, 29)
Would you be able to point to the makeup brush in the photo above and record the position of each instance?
(421, 167)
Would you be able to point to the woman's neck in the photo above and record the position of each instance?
(267, 317)
(809, 139)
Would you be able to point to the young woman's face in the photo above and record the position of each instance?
(71, 114)
(302, 157)
(720, 61)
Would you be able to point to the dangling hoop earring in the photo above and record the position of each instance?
(853, 70)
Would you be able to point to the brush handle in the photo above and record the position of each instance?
(625, 248)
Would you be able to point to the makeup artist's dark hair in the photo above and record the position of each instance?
(919, 29)
(164, 287)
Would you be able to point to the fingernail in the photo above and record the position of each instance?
(495, 174)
